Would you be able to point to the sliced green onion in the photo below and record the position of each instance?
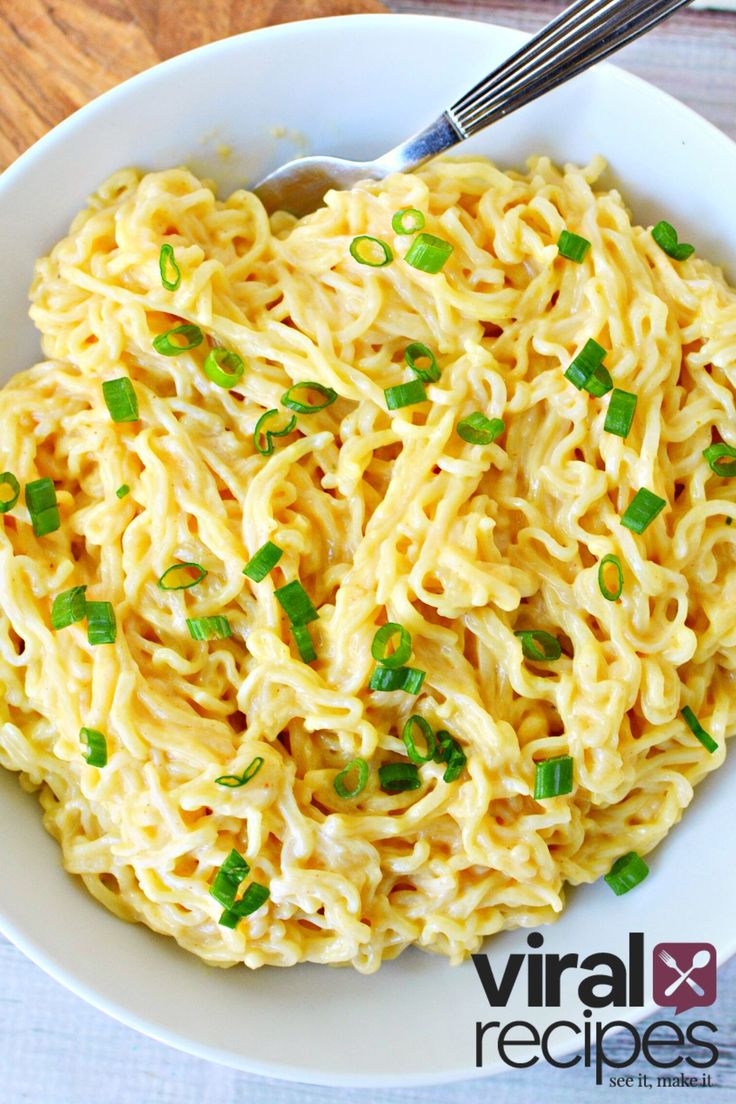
(428, 253)
(235, 781)
(265, 559)
(101, 624)
(120, 399)
(397, 678)
(610, 595)
(123, 490)
(476, 429)
(223, 367)
(267, 449)
(449, 751)
(169, 577)
(42, 506)
(96, 753)
(254, 896)
(713, 454)
(407, 221)
(359, 251)
(417, 351)
(362, 769)
(407, 735)
(327, 394)
(165, 261)
(729, 520)
(69, 607)
(553, 777)
(296, 603)
(398, 777)
(539, 645)
(698, 731)
(233, 871)
(209, 628)
(599, 382)
(620, 413)
(382, 640)
(626, 873)
(583, 366)
(191, 336)
(304, 642)
(405, 394)
(572, 246)
(665, 236)
(8, 479)
(642, 510)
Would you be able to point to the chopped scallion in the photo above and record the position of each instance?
(233, 871)
(553, 777)
(587, 371)
(254, 896)
(370, 251)
(235, 781)
(449, 751)
(182, 573)
(191, 336)
(120, 399)
(259, 431)
(7, 479)
(290, 400)
(539, 645)
(296, 603)
(405, 394)
(714, 455)
(69, 607)
(626, 873)
(41, 501)
(476, 429)
(665, 236)
(428, 253)
(417, 351)
(101, 624)
(223, 367)
(407, 735)
(572, 246)
(382, 641)
(610, 595)
(362, 771)
(96, 745)
(642, 510)
(398, 777)
(407, 221)
(304, 642)
(265, 559)
(397, 678)
(697, 730)
(620, 413)
(166, 262)
(123, 490)
(216, 627)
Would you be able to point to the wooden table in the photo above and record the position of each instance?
(54, 57)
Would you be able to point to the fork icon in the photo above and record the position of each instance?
(684, 975)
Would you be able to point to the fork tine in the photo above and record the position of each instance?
(584, 43)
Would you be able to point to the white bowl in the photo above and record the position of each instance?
(351, 86)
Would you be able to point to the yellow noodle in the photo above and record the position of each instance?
(382, 516)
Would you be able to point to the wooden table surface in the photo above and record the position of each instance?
(54, 57)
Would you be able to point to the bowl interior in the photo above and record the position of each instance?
(346, 86)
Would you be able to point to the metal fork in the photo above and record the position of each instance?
(584, 33)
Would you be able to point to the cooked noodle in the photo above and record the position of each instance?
(382, 516)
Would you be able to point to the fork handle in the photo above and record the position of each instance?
(584, 33)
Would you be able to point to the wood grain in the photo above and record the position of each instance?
(56, 55)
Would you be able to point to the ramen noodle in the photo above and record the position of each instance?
(187, 750)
